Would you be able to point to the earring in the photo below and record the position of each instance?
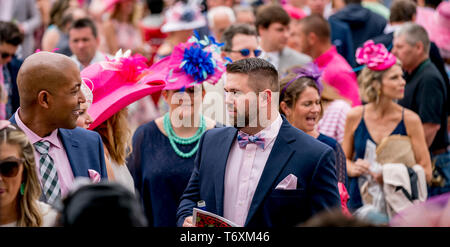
(22, 189)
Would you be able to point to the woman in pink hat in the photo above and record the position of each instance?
(116, 84)
(381, 83)
(164, 149)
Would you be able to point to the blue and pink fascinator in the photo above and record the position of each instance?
(191, 63)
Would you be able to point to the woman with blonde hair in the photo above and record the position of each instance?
(19, 184)
(381, 83)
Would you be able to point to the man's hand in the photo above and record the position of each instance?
(188, 222)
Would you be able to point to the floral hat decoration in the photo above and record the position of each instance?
(191, 63)
(375, 56)
(116, 83)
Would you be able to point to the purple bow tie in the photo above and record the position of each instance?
(244, 139)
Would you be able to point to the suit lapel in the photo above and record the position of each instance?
(278, 158)
(230, 135)
(71, 145)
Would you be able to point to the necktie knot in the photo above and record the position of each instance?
(42, 147)
(244, 139)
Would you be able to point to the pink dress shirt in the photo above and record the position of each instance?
(243, 171)
(339, 74)
(57, 152)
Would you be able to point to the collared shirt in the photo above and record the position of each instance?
(243, 171)
(57, 152)
(99, 57)
(338, 74)
(272, 57)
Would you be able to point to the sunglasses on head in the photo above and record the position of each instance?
(246, 52)
(6, 55)
(9, 168)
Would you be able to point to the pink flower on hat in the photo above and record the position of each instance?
(375, 56)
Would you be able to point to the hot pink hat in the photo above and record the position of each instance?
(190, 63)
(116, 84)
(294, 12)
(110, 4)
(375, 56)
(437, 24)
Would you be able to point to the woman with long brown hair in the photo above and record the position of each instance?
(19, 184)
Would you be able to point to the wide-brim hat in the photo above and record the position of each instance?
(191, 63)
(182, 16)
(437, 24)
(116, 84)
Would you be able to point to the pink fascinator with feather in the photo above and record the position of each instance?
(117, 83)
(375, 56)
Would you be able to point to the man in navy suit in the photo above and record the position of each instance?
(262, 172)
(50, 98)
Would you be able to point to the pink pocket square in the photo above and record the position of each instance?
(94, 176)
(288, 183)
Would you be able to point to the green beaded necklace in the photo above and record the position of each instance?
(174, 139)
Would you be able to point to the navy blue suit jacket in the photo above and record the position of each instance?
(293, 152)
(84, 150)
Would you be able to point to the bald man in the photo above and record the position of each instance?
(50, 98)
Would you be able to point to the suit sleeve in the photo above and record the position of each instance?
(192, 192)
(325, 192)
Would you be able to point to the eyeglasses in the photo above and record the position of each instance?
(9, 168)
(6, 55)
(246, 52)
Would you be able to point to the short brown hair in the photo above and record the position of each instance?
(231, 31)
(10, 34)
(272, 13)
(317, 24)
(402, 11)
(262, 74)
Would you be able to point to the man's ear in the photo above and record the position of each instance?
(44, 99)
(312, 38)
(419, 47)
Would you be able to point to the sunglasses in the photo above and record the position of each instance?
(245, 52)
(9, 168)
(6, 55)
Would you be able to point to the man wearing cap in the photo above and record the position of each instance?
(48, 114)
(261, 172)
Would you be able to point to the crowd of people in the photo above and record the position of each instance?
(271, 113)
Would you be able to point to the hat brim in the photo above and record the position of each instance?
(104, 108)
(179, 26)
(160, 71)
